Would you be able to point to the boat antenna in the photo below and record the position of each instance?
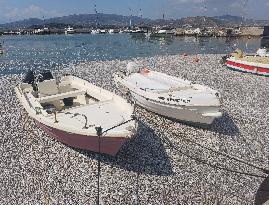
(131, 16)
(204, 9)
(244, 6)
(141, 15)
(97, 18)
(163, 16)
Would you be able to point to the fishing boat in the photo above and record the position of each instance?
(169, 96)
(163, 33)
(111, 31)
(251, 63)
(71, 110)
(103, 31)
(69, 30)
(95, 31)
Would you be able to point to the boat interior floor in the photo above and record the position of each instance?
(104, 113)
(158, 84)
(255, 59)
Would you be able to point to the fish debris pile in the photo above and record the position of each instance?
(159, 165)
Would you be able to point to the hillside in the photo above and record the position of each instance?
(85, 20)
(89, 20)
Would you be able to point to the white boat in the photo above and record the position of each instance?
(169, 96)
(251, 63)
(166, 32)
(95, 31)
(71, 109)
(69, 30)
(111, 31)
(163, 33)
(103, 31)
(137, 31)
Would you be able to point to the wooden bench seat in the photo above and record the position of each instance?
(61, 96)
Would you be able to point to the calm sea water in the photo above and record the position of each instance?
(54, 51)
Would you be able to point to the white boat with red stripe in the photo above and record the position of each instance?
(255, 64)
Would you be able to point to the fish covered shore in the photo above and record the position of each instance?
(166, 162)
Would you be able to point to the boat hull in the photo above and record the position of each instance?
(249, 67)
(188, 114)
(108, 145)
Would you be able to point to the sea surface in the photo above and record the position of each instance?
(55, 51)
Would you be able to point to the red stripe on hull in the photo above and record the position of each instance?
(248, 68)
(108, 145)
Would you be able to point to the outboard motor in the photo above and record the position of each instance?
(29, 77)
(46, 75)
(132, 68)
(223, 60)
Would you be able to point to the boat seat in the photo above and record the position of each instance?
(97, 95)
(61, 96)
(47, 87)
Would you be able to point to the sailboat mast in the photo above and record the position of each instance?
(97, 19)
(131, 15)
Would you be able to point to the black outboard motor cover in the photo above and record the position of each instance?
(68, 101)
(46, 74)
(29, 77)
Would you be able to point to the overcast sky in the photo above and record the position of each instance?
(11, 10)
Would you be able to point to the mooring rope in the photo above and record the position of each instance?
(118, 125)
(171, 145)
(235, 158)
(167, 141)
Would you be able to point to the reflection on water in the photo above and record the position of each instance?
(51, 51)
(162, 40)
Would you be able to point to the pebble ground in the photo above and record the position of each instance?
(36, 169)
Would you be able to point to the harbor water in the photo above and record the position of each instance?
(55, 51)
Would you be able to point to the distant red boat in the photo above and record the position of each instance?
(255, 64)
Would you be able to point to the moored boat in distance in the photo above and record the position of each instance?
(169, 96)
(163, 33)
(103, 31)
(111, 31)
(69, 30)
(95, 31)
(251, 63)
(71, 109)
